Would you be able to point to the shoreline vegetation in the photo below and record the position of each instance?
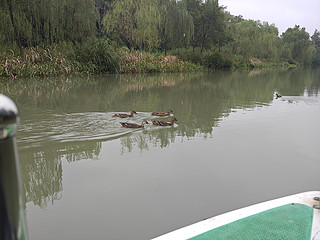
(95, 36)
(56, 61)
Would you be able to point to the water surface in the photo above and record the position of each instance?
(87, 177)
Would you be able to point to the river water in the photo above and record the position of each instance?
(86, 177)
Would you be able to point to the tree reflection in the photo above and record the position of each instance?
(42, 168)
(42, 177)
(156, 137)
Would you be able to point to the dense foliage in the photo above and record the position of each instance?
(202, 32)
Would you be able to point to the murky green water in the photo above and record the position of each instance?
(87, 177)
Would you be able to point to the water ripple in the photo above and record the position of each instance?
(75, 127)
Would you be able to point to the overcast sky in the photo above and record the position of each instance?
(283, 13)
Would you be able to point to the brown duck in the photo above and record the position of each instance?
(163, 123)
(162, 114)
(124, 115)
(278, 96)
(133, 125)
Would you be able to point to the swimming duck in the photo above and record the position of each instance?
(278, 96)
(163, 123)
(124, 115)
(162, 114)
(133, 125)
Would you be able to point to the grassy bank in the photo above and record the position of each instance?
(213, 60)
(138, 62)
(88, 59)
(99, 57)
(57, 60)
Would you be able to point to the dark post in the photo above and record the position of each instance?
(12, 215)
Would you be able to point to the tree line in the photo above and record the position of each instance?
(153, 26)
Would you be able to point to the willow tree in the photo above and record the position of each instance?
(230, 22)
(194, 8)
(208, 18)
(176, 29)
(120, 21)
(166, 28)
(135, 22)
(245, 38)
(315, 38)
(12, 19)
(302, 49)
(33, 22)
(184, 26)
(148, 21)
(79, 20)
(102, 6)
(211, 24)
(267, 45)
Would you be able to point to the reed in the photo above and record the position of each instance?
(141, 62)
(97, 56)
(37, 62)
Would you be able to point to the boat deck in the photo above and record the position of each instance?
(292, 217)
(291, 221)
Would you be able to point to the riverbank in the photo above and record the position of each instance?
(45, 62)
(99, 57)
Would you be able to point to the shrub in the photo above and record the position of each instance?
(216, 61)
(138, 62)
(190, 55)
(99, 55)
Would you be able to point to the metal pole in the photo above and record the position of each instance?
(12, 215)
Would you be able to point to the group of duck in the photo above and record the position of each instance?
(154, 122)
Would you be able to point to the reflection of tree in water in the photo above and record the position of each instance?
(42, 177)
(128, 142)
(81, 151)
(42, 169)
(156, 137)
